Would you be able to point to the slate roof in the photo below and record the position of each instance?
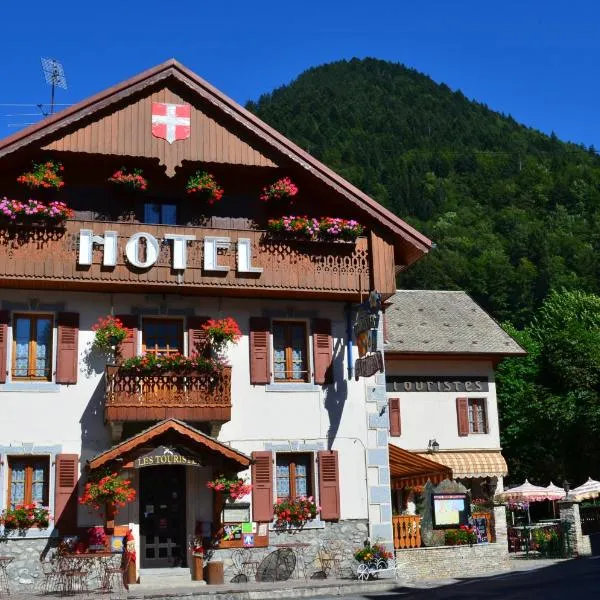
(443, 322)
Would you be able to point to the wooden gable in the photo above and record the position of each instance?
(127, 131)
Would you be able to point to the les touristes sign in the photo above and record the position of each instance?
(166, 456)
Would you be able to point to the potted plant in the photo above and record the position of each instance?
(173, 364)
(282, 189)
(220, 333)
(295, 512)
(25, 516)
(232, 487)
(33, 212)
(109, 332)
(96, 538)
(294, 227)
(333, 228)
(203, 185)
(371, 557)
(46, 175)
(133, 180)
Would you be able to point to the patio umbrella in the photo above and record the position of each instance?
(590, 489)
(554, 492)
(526, 492)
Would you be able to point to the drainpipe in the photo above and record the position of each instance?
(348, 311)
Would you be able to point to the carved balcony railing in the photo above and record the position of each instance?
(407, 531)
(57, 258)
(190, 397)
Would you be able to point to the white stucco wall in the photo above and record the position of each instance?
(71, 417)
(429, 415)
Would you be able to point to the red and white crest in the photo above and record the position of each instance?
(171, 122)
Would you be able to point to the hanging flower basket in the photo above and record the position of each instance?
(234, 488)
(46, 175)
(133, 180)
(204, 186)
(220, 333)
(109, 333)
(109, 490)
(282, 189)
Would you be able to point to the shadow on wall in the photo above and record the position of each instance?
(95, 435)
(336, 393)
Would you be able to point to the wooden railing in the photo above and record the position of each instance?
(52, 256)
(190, 397)
(407, 531)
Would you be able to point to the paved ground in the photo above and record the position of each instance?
(556, 581)
(528, 580)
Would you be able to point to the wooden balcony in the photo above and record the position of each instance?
(192, 397)
(52, 258)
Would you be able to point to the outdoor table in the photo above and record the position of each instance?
(299, 550)
(4, 562)
(93, 564)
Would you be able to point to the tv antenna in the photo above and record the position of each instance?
(55, 77)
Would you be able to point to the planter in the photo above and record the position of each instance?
(213, 573)
(197, 567)
(131, 572)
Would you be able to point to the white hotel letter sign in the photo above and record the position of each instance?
(212, 245)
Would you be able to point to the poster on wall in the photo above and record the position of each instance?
(450, 510)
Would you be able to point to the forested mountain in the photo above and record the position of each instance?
(513, 213)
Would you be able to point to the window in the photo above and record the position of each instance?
(477, 416)
(162, 336)
(290, 361)
(294, 475)
(160, 213)
(32, 347)
(28, 480)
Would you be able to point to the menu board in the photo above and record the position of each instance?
(480, 524)
(449, 510)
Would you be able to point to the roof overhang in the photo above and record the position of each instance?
(175, 432)
(415, 244)
(493, 357)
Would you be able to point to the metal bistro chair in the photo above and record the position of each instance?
(246, 563)
(72, 578)
(4, 587)
(115, 578)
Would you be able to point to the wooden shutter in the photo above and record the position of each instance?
(322, 351)
(4, 318)
(129, 344)
(394, 415)
(197, 336)
(260, 350)
(262, 486)
(67, 355)
(65, 496)
(329, 485)
(462, 416)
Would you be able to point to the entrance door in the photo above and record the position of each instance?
(162, 516)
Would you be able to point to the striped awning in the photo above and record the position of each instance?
(472, 463)
(409, 469)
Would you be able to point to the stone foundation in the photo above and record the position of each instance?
(351, 533)
(25, 571)
(439, 562)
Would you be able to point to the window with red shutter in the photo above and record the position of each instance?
(197, 337)
(329, 485)
(65, 493)
(67, 347)
(322, 351)
(129, 344)
(4, 319)
(262, 486)
(260, 355)
(462, 416)
(394, 415)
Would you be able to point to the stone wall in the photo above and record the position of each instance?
(439, 562)
(25, 570)
(351, 533)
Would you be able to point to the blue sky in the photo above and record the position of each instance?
(535, 59)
